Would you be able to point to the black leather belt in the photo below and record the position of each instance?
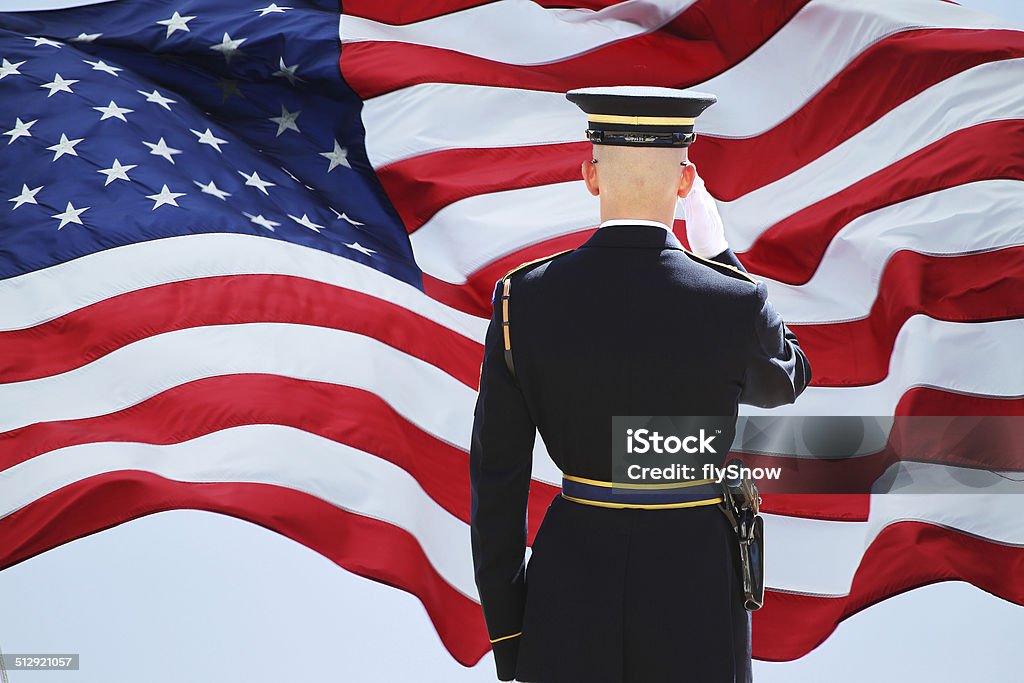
(641, 496)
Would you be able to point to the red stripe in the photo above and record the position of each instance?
(474, 296)
(422, 185)
(863, 92)
(400, 13)
(835, 507)
(931, 401)
(903, 556)
(685, 51)
(963, 288)
(791, 250)
(368, 547)
(397, 13)
(967, 288)
(347, 415)
(88, 333)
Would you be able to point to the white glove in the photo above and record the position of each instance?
(704, 229)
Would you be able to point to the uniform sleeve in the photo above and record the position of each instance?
(500, 465)
(777, 370)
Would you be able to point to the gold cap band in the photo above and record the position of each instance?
(641, 120)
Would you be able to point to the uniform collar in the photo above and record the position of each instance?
(634, 221)
(633, 233)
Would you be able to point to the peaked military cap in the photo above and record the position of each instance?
(641, 116)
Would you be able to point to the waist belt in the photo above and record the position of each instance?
(641, 496)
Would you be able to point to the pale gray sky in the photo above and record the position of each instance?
(193, 596)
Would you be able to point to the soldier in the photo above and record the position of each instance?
(629, 323)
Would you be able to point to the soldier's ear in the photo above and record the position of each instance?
(687, 175)
(589, 171)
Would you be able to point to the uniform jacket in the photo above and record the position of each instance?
(629, 323)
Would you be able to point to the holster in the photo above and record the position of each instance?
(741, 504)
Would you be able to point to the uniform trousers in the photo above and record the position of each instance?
(634, 596)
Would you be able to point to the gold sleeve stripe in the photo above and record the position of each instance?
(498, 640)
(641, 120)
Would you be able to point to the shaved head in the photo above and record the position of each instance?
(638, 182)
(637, 174)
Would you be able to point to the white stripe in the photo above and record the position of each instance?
(530, 34)
(975, 217)
(968, 358)
(422, 393)
(267, 454)
(42, 295)
(820, 557)
(812, 49)
(989, 92)
(439, 116)
(469, 234)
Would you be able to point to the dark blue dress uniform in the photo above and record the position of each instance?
(629, 323)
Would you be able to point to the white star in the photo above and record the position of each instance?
(343, 217)
(306, 223)
(63, 147)
(286, 71)
(175, 23)
(20, 130)
(259, 220)
(117, 171)
(338, 157)
(43, 41)
(155, 96)
(228, 47)
(257, 182)
(27, 196)
(70, 215)
(210, 188)
(286, 121)
(9, 68)
(164, 196)
(112, 111)
(59, 84)
(208, 138)
(86, 37)
(161, 149)
(100, 65)
(272, 7)
(360, 248)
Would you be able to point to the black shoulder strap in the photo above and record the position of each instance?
(506, 289)
(724, 268)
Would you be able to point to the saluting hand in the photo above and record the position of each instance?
(704, 229)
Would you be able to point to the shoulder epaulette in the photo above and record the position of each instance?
(506, 288)
(536, 261)
(724, 268)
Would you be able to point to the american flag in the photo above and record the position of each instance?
(247, 253)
